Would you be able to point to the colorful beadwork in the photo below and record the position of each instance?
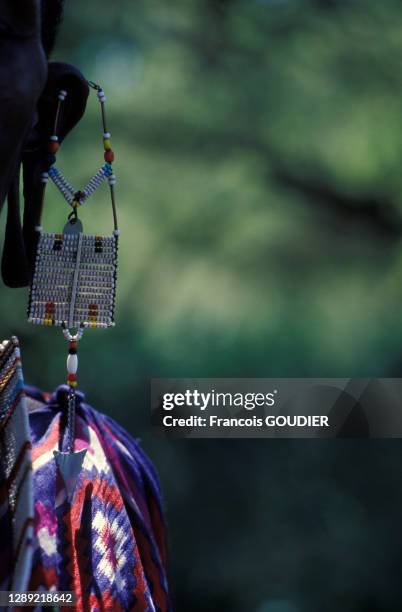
(69, 193)
(74, 282)
(74, 279)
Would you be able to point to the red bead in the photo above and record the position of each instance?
(53, 146)
(109, 156)
(72, 377)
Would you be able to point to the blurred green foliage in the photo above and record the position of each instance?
(258, 155)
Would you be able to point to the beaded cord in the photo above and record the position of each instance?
(69, 193)
(61, 183)
(72, 368)
(73, 197)
(109, 154)
(71, 421)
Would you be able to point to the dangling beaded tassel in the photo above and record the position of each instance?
(70, 462)
(72, 367)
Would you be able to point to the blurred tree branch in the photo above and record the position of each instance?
(379, 215)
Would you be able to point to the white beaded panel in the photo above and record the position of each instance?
(74, 280)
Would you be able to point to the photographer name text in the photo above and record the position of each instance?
(194, 399)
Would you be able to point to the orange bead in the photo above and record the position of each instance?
(53, 146)
(109, 156)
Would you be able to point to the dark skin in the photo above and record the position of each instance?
(22, 54)
(28, 97)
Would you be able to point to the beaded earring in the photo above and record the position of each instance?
(74, 279)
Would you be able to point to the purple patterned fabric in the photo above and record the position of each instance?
(108, 546)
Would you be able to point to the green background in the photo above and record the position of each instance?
(258, 151)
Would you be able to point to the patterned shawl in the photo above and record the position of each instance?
(108, 546)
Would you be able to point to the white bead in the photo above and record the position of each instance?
(106, 135)
(72, 364)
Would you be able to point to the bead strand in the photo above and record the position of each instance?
(72, 364)
(53, 144)
(72, 368)
(69, 336)
(73, 197)
(97, 180)
(52, 147)
(61, 97)
(72, 357)
(71, 420)
(67, 190)
(109, 153)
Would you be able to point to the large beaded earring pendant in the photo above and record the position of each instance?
(74, 278)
